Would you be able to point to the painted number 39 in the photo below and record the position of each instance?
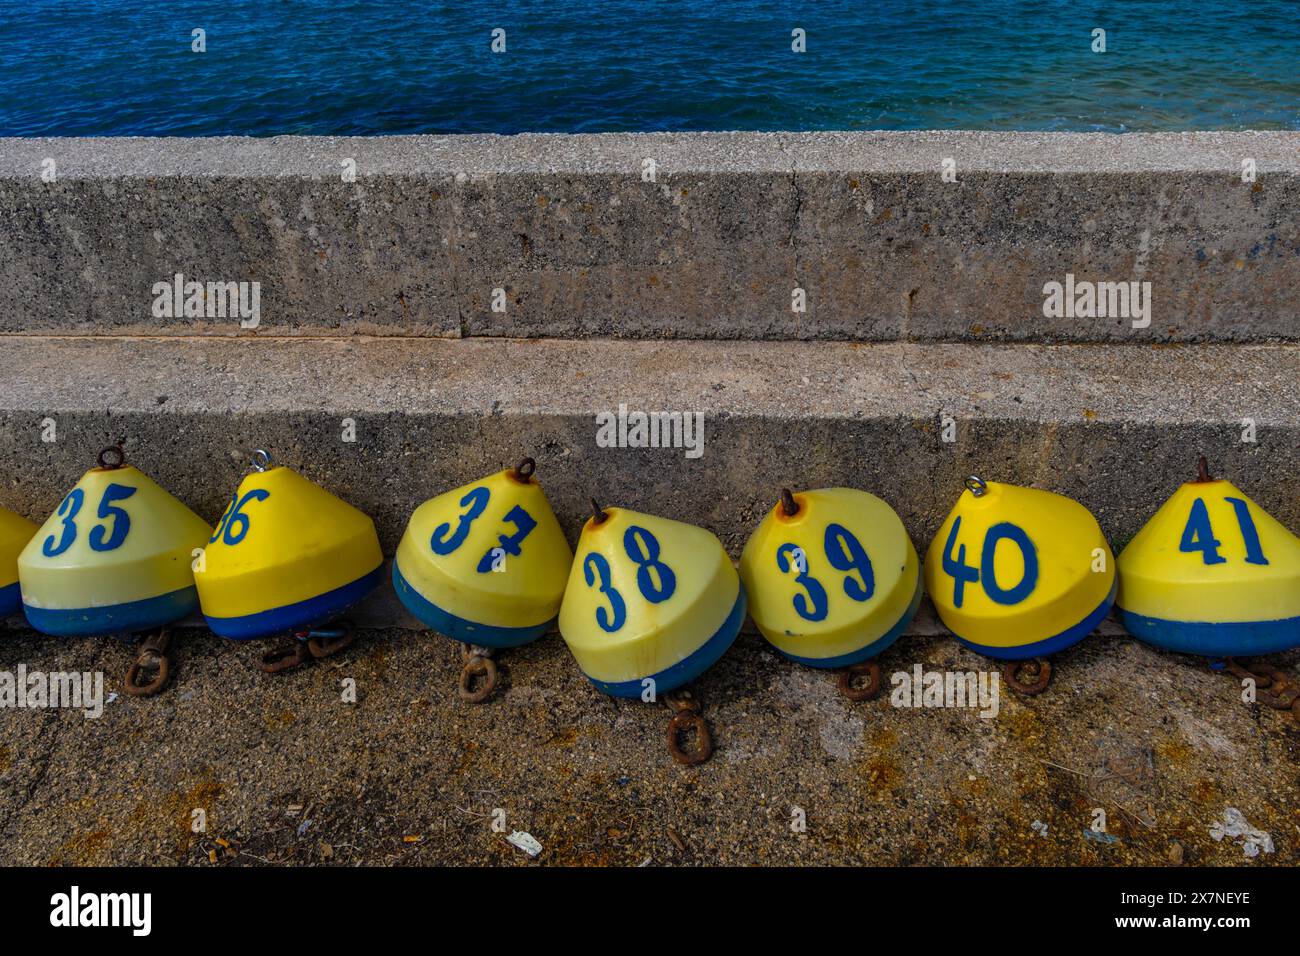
(845, 553)
(101, 538)
(985, 574)
(654, 579)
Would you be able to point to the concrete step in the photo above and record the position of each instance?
(1117, 427)
(580, 242)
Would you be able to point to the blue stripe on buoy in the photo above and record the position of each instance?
(458, 628)
(689, 668)
(11, 599)
(1231, 639)
(1049, 645)
(872, 649)
(291, 617)
(128, 618)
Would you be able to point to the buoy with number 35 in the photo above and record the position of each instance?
(486, 565)
(1212, 573)
(1018, 573)
(832, 578)
(15, 532)
(287, 556)
(115, 558)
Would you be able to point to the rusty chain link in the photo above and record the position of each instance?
(155, 657)
(308, 645)
(1275, 688)
(868, 691)
(1040, 671)
(687, 718)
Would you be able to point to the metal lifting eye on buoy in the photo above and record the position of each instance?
(976, 486)
(788, 504)
(524, 470)
(261, 460)
(112, 457)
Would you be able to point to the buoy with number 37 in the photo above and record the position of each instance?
(1212, 573)
(15, 532)
(486, 565)
(1018, 573)
(287, 556)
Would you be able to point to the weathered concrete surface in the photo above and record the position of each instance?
(1117, 427)
(409, 774)
(582, 245)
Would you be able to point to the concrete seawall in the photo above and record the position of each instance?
(581, 242)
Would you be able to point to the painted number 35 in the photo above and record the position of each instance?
(103, 537)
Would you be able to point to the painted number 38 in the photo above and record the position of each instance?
(654, 579)
(986, 574)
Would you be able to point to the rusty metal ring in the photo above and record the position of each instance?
(868, 691)
(683, 721)
(114, 451)
(160, 663)
(1043, 676)
(470, 651)
(286, 658)
(524, 470)
(328, 643)
(474, 667)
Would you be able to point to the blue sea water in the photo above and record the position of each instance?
(113, 67)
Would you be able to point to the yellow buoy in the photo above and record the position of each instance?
(1017, 573)
(115, 558)
(487, 563)
(648, 600)
(15, 532)
(286, 555)
(832, 576)
(1212, 573)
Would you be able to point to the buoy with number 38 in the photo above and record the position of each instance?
(832, 576)
(286, 556)
(1212, 573)
(15, 532)
(116, 557)
(651, 603)
(1018, 573)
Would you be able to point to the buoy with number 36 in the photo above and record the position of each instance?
(832, 576)
(1018, 573)
(1212, 573)
(115, 558)
(287, 556)
(15, 532)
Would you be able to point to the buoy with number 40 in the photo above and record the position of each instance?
(1018, 573)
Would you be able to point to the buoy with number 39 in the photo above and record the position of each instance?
(15, 532)
(116, 557)
(1212, 573)
(832, 576)
(1018, 573)
(286, 556)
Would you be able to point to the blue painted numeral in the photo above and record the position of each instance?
(596, 568)
(68, 509)
(962, 573)
(643, 549)
(1199, 536)
(845, 553)
(444, 541)
(814, 605)
(524, 523)
(121, 520)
